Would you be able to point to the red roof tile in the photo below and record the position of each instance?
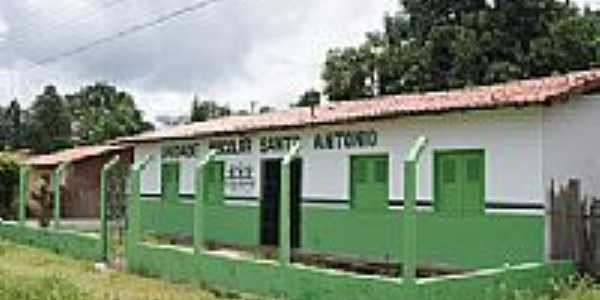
(70, 155)
(515, 93)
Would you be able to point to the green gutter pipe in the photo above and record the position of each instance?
(104, 206)
(410, 216)
(284, 210)
(201, 186)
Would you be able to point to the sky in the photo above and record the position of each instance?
(231, 51)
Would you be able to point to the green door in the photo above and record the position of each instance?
(448, 185)
(215, 178)
(459, 187)
(369, 184)
(170, 180)
(473, 184)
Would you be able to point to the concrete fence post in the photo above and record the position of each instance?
(56, 178)
(410, 216)
(134, 214)
(104, 206)
(201, 189)
(23, 194)
(284, 208)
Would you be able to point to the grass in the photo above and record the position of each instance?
(32, 274)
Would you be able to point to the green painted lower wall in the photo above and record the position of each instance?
(304, 283)
(470, 242)
(224, 223)
(167, 217)
(484, 241)
(73, 244)
(233, 224)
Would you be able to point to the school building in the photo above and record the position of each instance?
(493, 152)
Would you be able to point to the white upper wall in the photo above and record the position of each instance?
(511, 139)
(572, 143)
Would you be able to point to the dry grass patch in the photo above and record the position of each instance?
(32, 274)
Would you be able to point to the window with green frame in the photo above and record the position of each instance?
(369, 182)
(459, 186)
(170, 173)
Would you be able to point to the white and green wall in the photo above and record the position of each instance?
(517, 152)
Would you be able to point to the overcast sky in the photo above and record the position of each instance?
(234, 51)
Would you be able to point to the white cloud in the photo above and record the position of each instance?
(234, 51)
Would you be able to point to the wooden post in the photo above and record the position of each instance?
(410, 216)
(201, 188)
(23, 194)
(549, 208)
(104, 206)
(284, 209)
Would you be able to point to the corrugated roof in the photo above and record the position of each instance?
(71, 155)
(516, 93)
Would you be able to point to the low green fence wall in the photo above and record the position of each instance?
(73, 244)
(470, 242)
(306, 283)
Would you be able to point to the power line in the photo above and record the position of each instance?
(126, 32)
(62, 24)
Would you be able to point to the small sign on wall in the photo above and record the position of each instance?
(240, 179)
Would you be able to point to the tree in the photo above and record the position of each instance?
(49, 122)
(309, 98)
(439, 45)
(100, 112)
(13, 116)
(266, 109)
(203, 110)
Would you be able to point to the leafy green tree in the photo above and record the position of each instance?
(347, 72)
(14, 117)
(101, 112)
(309, 98)
(207, 109)
(438, 45)
(49, 122)
(9, 180)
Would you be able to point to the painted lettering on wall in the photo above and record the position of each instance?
(345, 140)
(240, 178)
(179, 151)
(231, 146)
(270, 144)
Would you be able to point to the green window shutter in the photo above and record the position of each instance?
(215, 179)
(361, 170)
(449, 171)
(170, 173)
(381, 171)
(369, 190)
(473, 170)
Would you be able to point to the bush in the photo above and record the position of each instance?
(9, 182)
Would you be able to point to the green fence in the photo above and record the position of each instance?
(78, 245)
(269, 278)
(73, 243)
(483, 241)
